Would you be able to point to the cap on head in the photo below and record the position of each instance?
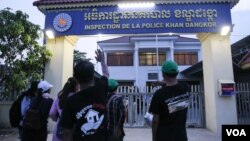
(44, 85)
(169, 67)
(113, 84)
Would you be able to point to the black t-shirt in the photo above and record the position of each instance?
(170, 103)
(85, 112)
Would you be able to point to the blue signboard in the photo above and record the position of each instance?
(227, 89)
(177, 18)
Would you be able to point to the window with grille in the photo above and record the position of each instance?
(120, 59)
(186, 58)
(150, 58)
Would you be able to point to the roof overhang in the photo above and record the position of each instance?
(153, 38)
(187, 43)
(245, 61)
(46, 5)
(241, 43)
(195, 69)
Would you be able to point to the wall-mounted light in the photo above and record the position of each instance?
(137, 5)
(50, 34)
(225, 30)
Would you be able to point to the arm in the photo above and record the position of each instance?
(101, 58)
(119, 131)
(155, 126)
(53, 113)
(121, 112)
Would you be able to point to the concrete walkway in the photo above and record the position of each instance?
(142, 134)
(194, 134)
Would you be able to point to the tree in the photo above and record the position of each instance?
(21, 55)
(80, 56)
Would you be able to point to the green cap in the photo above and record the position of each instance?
(170, 67)
(112, 84)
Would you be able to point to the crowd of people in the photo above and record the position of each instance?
(89, 108)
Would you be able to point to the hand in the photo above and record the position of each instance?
(99, 55)
(101, 58)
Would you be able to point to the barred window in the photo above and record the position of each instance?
(150, 58)
(120, 59)
(186, 58)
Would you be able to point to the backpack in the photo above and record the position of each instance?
(31, 119)
(15, 115)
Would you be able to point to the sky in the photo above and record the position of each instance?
(240, 18)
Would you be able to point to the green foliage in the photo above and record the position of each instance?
(22, 57)
(80, 56)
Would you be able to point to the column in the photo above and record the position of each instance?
(171, 55)
(136, 64)
(60, 67)
(217, 65)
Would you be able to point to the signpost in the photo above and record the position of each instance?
(179, 18)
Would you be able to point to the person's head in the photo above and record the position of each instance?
(33, 88)
(112, 85)
(71, 86)
(169, 69)
(44, 87)
(84, 72)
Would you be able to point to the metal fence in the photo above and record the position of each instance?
(10, 97)
(137, 101)
(196, 110)
(243, 103)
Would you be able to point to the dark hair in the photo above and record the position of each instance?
(69, 87)
(37, 100)
(172, 75)
(84, 72)
(33, 89)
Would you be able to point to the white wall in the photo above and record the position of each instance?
(122, 73)
(140, 74)
(154, 44)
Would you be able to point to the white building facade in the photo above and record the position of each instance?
(132, 60)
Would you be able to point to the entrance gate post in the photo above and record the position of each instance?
(60, 66)
(209, 18)
(217, 64)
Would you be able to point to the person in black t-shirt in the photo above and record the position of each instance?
(169, 107)
(84, 113)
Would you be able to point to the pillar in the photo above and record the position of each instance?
(171, 55)
(60, 66)
(136, 64)
(217, 65)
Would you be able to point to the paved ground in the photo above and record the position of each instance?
(141, 134)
